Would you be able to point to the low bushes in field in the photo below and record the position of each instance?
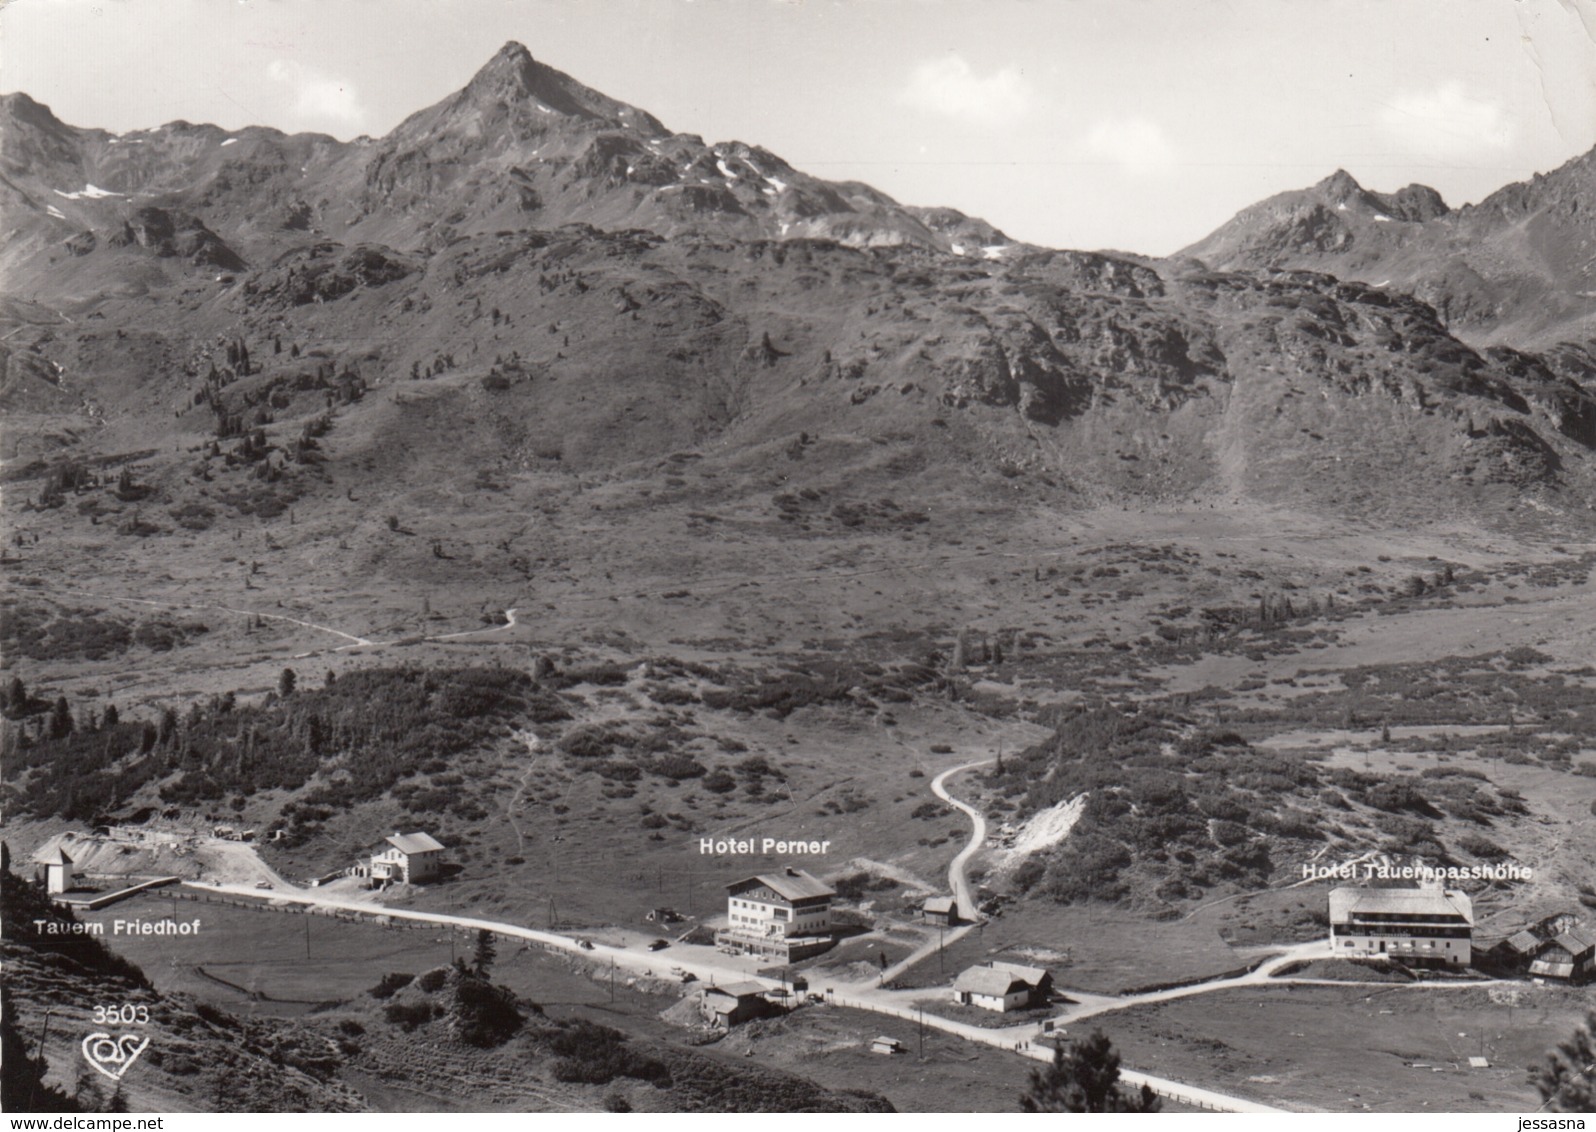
(42, 633)
(855, 886)
(409, 1015)
(1174, 810)
(390, 984)
(379, 726)
(590, 1054)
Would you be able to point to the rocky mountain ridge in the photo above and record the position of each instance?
(549, 272)
(1518, 268)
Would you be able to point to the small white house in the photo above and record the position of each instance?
(410, 858)
(991, 989)
(60, 874)
(1002, 986)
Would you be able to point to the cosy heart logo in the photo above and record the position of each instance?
(113, 1056)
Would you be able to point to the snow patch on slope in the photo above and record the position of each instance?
(89, 192)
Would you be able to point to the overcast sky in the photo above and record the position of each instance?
(1132, 124)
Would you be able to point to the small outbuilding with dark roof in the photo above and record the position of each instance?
(940, 910)
(1570, 958)
(735, 1003)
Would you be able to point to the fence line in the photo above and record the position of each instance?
(374, 917)
(106, 899)
(1162, 1088)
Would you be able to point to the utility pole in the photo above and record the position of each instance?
(612, 979)
(307, 933)
(43, 1033)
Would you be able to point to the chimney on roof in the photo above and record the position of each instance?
(792, 872)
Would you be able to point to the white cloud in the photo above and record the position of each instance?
(1447, 120)
(322, 101)
(950, 87)
(1139, 145)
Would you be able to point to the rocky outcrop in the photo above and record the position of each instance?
(174, 234)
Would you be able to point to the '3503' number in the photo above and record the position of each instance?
(127, 1014)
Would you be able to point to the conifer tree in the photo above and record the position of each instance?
(1085, 1079)
(60, 718)
(485, 953)
(1568, 1081)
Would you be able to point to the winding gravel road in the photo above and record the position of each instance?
(957, 880)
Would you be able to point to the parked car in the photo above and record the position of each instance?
(659, 945)
(585, 945)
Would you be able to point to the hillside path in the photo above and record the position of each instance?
(357, 642)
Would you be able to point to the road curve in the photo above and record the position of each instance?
(958, 883)
(957, 880)
(509, 623)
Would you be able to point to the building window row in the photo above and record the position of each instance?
(1460, 932)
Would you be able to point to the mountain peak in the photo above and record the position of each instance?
(20, 107)
(1340, 186)
(514, 77)
(512, 63)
